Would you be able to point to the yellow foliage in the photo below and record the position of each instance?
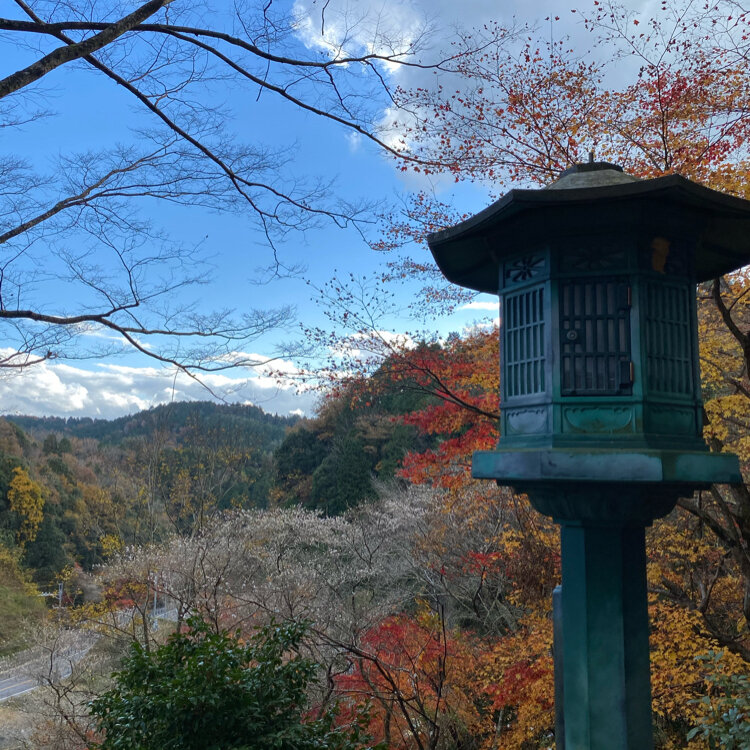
(726, 388)
(111, 544)
(677, 677)
(690, 566)
(26, 498)
(96, 500)
(10, 566)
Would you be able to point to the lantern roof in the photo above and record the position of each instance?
(469, 254)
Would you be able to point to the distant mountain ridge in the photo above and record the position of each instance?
(173, 417)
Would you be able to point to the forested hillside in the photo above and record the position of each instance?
(72, 492)
(250, 422)
(360, 435)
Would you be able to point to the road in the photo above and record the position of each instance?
(24, 678)
(10, 687)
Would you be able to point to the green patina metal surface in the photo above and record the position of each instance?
(470, 254)
(580, 465)
(605, 639)
(597, 284)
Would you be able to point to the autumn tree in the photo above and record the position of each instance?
(409, 667)
(209, 469)
(523, 113)
(26, 498)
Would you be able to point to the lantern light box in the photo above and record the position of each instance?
(596, 275)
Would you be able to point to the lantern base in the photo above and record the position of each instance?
(631, 487)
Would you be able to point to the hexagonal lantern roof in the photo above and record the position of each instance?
(469, 254)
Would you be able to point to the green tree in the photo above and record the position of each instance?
(301, 452)
(50, 444)
(207, 690)
(343, 479)
(49, 552)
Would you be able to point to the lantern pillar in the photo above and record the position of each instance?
(603, 502)
(605, 637)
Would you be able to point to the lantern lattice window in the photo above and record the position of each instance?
(595, 337)
(524, 342)
(668, 339)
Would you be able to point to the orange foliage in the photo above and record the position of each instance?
(516, 673)
(528, 110)
(464, 376)
(415, 673)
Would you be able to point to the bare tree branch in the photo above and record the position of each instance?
(124, 273)
(73, 50)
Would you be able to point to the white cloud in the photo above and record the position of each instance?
(480, 305)
(403, 340)
(111, 390)
(478, 327)
(342, 28)
(354, 141)
(373, 25)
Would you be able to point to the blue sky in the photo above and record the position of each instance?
(91, 113)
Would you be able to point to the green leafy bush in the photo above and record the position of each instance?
(207, 690)
(725, 720)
